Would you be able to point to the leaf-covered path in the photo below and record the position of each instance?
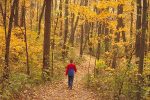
(59, 90)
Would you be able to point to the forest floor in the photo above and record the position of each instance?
(59, 90)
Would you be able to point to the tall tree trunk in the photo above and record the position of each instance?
(106, 38)
(142, 47)
(74, 27)
(72, 37)
(144, 28)
(148, 25)
(16, 14)
(66, 29)
(87, 31)
(40, 19)
(120, 25)
(37, 15)
(8, 38)
(5, 19)
(138, 27)
(91, 36)
(99, 31)
(87, 27)
(81, 40)
(26, 42)
(137, 43)
(46, 45)
(61, 22)
(53, 40)
(131, 24)
(22, 15)
(31, 14)
(99, 41)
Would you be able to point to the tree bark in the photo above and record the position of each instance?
(142, 45)
(8, 38)
(26, 42)
(40, 19)
(46, 45)
(16, 14)
(144, 28)
(131, 24)
(120, 25)
(138, 27)
(31, 14)
(99, 41)
(81, 40)
(22, 15)
(74, 27)
(106, 38)
(66, 29)
(61, 22)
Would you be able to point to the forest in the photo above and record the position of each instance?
(108, 41)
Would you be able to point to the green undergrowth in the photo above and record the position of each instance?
(120, 83)
(19, 81)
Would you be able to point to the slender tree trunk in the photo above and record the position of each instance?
(117, 39)
(40, 19)
(66, 29)
(138, 27)
(106, 39)
(37, 15)
(87, 27)
(8, 38)
(16, 14)
(137, 43)
(61, 22)
(74, 30)
(91, 36)
(99, 41)
(142, 45)
(31, 15)
(81, 40)
(26, 42)
(87, 30)
(5, 19)
(131, 25)
(144, 28)
(46, 51)
(53, 42)
(148, 25)
(74, 27)
(22, 15)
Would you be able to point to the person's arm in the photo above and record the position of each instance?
(75, 69)
(67, 70)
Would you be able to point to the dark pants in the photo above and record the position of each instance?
(70, 81)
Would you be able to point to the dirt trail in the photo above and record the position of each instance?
(59, 91)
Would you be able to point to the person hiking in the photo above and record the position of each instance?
(70, 70)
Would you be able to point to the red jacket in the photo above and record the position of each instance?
(70, 66)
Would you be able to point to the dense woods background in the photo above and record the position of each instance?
(37, 37)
